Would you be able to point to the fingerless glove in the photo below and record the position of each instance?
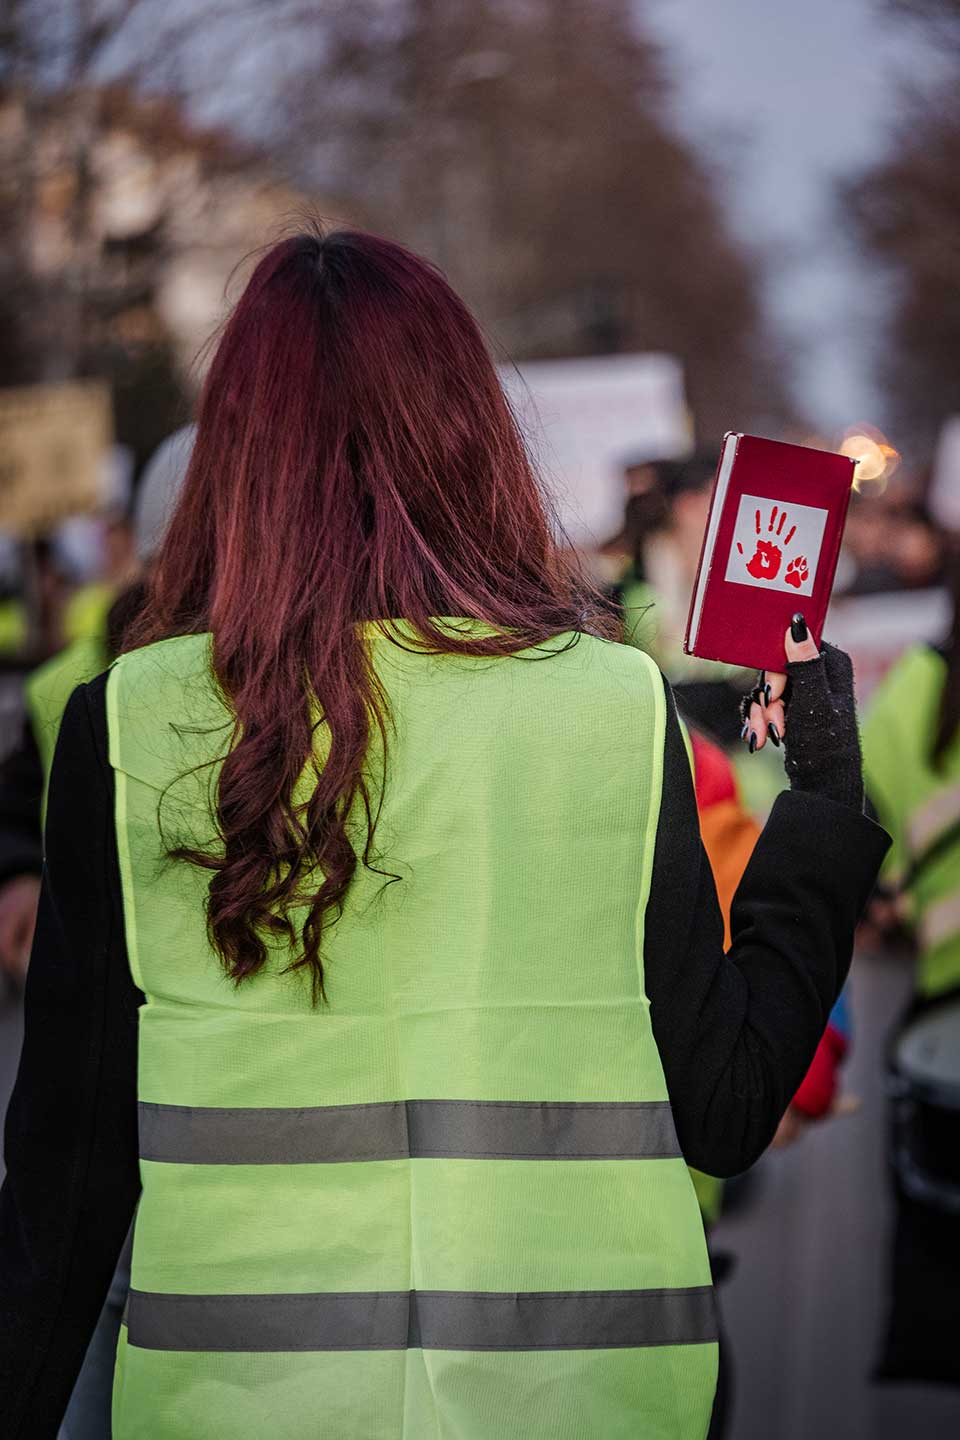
(822, 743)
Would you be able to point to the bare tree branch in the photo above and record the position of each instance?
(525, 148)
(906, 211)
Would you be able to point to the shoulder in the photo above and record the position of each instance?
(606, 689)
(158, 697)
(607, 677)
(180, 658)
(613, 665)
(173, 675)
(573, 689)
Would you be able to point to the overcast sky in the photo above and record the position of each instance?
(792, 94)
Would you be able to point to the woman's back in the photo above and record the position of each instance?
(467, 1155)
(365, 929)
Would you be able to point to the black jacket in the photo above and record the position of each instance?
(21, 794)
(735, 1033)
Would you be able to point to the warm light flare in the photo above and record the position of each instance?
(876, 458)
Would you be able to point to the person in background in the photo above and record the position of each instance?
(96, 551)
(619, 560)
(87, 607)
(918, 548)
(360, 971)
(867, 562)
(911, 745)
(13, 614)
(892, 540)
(667, 505)
(666, 513)
(23, 781)
(24, 773)
(911, 740)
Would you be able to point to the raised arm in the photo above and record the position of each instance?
(737, 1031)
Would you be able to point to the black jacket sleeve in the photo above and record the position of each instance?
(71, 1134)
(21, 791)
(736, 1032)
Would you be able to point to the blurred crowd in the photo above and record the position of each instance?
(893, 540)
(125, 214)
(66, 597)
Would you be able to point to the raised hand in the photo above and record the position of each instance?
(823, 746)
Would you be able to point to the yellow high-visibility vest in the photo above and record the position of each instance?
(451, 1202)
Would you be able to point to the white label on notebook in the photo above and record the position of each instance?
(776, 546)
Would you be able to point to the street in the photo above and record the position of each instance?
(804, 1308)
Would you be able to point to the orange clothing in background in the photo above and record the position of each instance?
(728, 831)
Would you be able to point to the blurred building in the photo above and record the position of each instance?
(122, 224)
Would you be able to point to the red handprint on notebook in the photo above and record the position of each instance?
(776, 544)
(765, 562)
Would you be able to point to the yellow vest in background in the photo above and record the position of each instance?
(920, 807)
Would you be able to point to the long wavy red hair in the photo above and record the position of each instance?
(355, 460)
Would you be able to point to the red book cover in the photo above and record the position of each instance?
(770, 549)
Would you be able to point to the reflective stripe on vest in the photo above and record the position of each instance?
(932, 820)
(463, 1168)
(423, 1319)
(410, 1129)
(940, 921)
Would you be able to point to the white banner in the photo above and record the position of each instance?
(584, 418)
(876, 629)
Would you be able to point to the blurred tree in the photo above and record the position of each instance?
(67, 297)
(906, 210)
(525, 145)
(50, 49)
(944, 15)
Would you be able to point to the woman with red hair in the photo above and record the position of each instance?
(360, 972)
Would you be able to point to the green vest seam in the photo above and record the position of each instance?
(653, 811)
(123, 847)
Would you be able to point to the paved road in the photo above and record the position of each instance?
(804, 1307)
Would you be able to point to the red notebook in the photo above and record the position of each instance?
(770, 549)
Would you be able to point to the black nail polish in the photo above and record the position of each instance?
(753, 741)
(798, 628)
(746, 727)
(766, 694)
(774, 734)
